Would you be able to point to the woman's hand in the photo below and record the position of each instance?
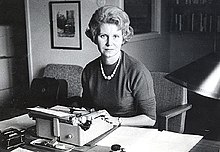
(110, 119)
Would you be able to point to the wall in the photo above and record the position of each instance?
(13, 60)
(187, 47)
(153, 52)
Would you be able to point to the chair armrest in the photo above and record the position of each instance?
(165, 116)
(175, 111)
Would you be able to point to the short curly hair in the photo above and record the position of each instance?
(112, 15)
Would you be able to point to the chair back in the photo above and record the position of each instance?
(168, 96)
(70, 73)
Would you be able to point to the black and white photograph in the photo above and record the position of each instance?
(110, 76)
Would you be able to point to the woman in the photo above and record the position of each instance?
(115, 81)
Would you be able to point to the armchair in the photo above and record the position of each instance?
(70, 73)
(171, 103)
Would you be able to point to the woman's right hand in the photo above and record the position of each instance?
(110, 119)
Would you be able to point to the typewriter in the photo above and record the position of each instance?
(76, 126)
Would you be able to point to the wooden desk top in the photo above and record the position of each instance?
(203, 146)
(206, 146)
(209, 143)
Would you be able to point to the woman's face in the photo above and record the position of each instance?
(109, 40)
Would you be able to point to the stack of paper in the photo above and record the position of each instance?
(141, 139)
(20, 122)
(49, 112)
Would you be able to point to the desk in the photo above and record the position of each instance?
(205, 145)
(210, 142)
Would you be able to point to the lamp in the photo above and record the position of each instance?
(201, 76)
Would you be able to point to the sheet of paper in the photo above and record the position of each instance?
(20, 122)
(19, 149)
(173, 142)
(55, 113)
(142, 139)
(129, 137)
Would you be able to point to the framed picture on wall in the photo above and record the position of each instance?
(65, 25)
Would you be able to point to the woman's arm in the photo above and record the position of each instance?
(142, 89)
(136, 121)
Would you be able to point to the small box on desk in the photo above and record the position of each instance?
(11, 138)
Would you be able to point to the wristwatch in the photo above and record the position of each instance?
(119, 120)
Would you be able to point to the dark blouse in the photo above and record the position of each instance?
(129, 93)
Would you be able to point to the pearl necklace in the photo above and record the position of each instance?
(113, 73)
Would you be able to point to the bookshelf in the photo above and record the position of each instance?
(199, 16)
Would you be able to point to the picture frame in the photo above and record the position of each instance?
(65, 25)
